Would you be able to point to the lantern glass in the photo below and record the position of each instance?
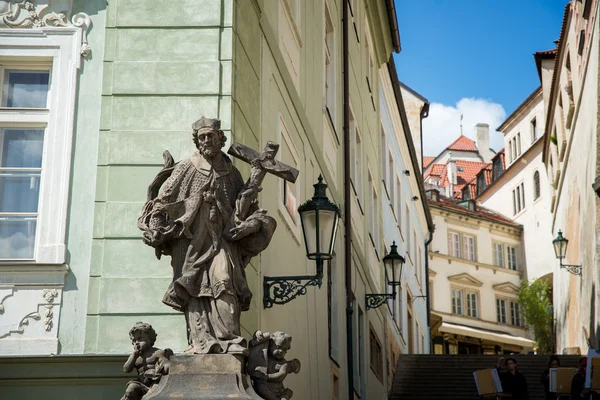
(327, 230)
(560, 246)
(310, 229)
(390, 271)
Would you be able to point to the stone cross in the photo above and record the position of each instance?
(263, 163)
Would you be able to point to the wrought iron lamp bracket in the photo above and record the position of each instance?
(283, 289)
(378, 299)
(572, 269)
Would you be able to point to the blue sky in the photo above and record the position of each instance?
(479, 52)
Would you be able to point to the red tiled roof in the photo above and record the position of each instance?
(427, 160)
(435, 170)
(480, 212)
(466, 171)
(463, 143)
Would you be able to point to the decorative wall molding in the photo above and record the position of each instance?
(27, 14)
(49, 295)
(27, 320)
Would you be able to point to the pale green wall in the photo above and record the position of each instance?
(71, 326)
(165, 66)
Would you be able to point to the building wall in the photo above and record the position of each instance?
(42, 304)
(398, 195)
(446, 270)
(521, 127)
(259, 67)
(573, 170)
(414, 108)
(535, 217)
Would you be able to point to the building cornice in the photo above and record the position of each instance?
(519, 110)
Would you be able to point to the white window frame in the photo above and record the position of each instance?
(472, 299)
(356, 158)
(60, 47)
(499, 249)
(456, 308)
(514, 305)
(454, 248)
(510, 263)
(470, 249)
(329, 55)
(501, 301)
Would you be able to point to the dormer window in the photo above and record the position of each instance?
(481, 183)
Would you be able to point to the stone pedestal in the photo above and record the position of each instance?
(206, 377)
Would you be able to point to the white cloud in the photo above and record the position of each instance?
(442, 126)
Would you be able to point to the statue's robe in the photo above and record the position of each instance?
(209, 281)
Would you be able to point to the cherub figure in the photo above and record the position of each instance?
(267, 366)
(151, 363)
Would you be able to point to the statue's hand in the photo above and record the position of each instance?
(295, 365)
(244, 229)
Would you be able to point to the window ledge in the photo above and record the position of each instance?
(29, 274)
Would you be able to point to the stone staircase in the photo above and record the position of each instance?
(436, 377)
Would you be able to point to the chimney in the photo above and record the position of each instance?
(482, 139)
(452, 178)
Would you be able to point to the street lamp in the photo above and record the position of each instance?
(391, 262)
(319, 219)
(560, 250)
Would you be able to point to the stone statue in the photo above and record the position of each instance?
(267, 366)
(201, 213)
(151, 363)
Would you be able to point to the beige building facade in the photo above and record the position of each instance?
(476, 268)
(570, 156)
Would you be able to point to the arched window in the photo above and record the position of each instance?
(536, 185)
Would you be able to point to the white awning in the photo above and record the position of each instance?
(487, 335)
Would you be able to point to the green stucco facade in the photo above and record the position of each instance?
(156, 68)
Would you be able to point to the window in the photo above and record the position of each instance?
(20, 173)
(458, 298)
(359, 351)
(382, 154)
(332, 297)
(457, 301)
(511, 257)
(376, 355)
(466, 193)
(469, 242)
(536, 185)
(373, 214)
(472, 304)
(534, 130)
(510, 152)
(499, 255)
(515, 313)
(462, 246)
(501, 310)
(407, 231)
(36, 141)
(355, 158)
(21, 162)
(518, 144)
(390, 177)
(398, 205)
(481, 182)
(518, 198)
(369, 67)
(496, 168)
(329, 64)
(454, 245)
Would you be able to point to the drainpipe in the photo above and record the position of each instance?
(347, 202)
(428, 299)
